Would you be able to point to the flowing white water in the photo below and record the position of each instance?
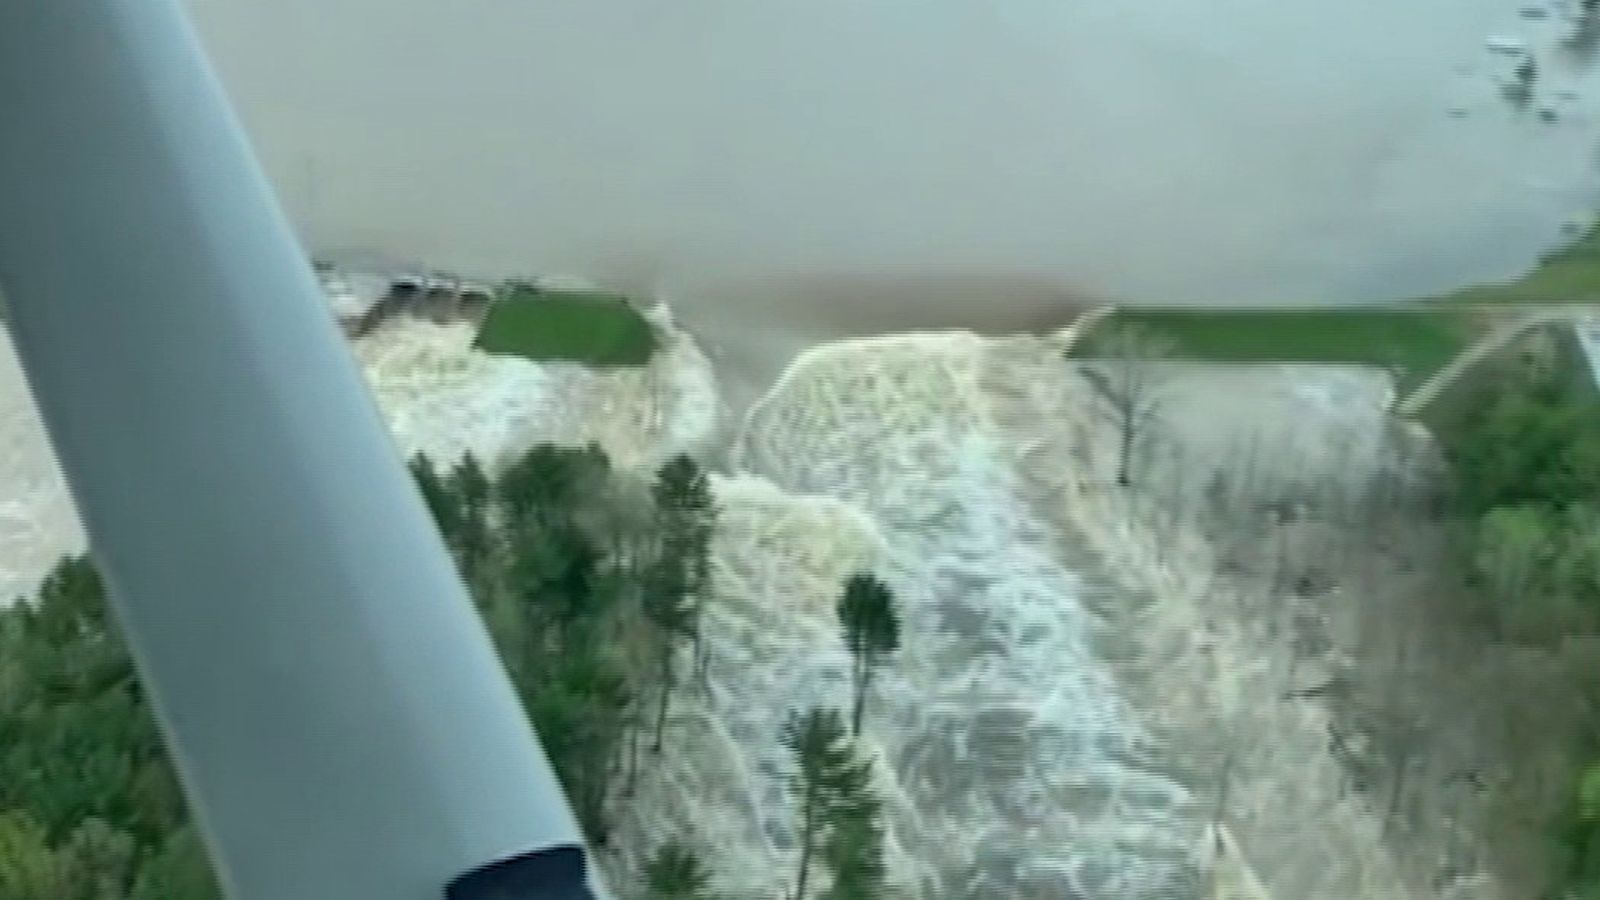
(38, 524)
(439, 397)
(443, 399)
(1017, 758)
(1017, 770)
(1203, 657)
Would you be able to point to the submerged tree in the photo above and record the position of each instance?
(675, 872)
(853, 850)
(1127, 356)
(837, 810)
(670, 609)
(871, 631)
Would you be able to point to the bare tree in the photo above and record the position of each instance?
(1401, 733)
(1125, 371)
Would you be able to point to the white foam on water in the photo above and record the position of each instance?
(38, 524)
(1013, 766)
(439, 396)
(443, 399)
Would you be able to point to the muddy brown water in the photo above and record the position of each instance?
(737, 155)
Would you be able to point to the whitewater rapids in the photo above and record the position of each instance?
(1020, 759)
(439, 397)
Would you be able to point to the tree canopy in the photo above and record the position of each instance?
(836, 807)
(575, 584)
(674, 872)
(86, 789)
(871, 632)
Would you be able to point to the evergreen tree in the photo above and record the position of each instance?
(579, 712)
(853, 850)
(179, 871)
(871, 631)
(77, 729)
(683, 497)
(96, 862)
(668, 607)
(687, 513)
(441, 501)
(674, 872)
(28, 869)
(71, 603)
(550, 482)
(573, 592)
(475, 541)
(470, 485)
(836, 807)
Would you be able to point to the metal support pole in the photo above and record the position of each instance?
(341, 724)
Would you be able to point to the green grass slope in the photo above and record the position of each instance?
(1414, 341)
(596, 329)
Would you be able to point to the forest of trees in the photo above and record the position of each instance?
(591, 582)
(1525, 461)
(89, 806)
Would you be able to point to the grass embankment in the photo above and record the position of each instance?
(1413, 341)
(596, 329)
(1571, 377)
(1568, 275)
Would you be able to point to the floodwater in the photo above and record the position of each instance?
(791, 171)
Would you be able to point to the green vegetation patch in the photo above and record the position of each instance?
(1415, 341)
(596, 329)
(1524, 427)
(1568, 275)
(1550, 354)
(1521, 434)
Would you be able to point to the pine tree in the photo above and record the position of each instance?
(688, 517)
(549, 482)
(836, 806)
(683, 496)
(553, 572)
(853, 850)
(470, 484)
(180, 871)
(475, 540)
(95, 862)
(578, 709)
(28, 870)
(871, 631)
(675, 872)
(441, 503)
(670, 609)
(675, 581)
